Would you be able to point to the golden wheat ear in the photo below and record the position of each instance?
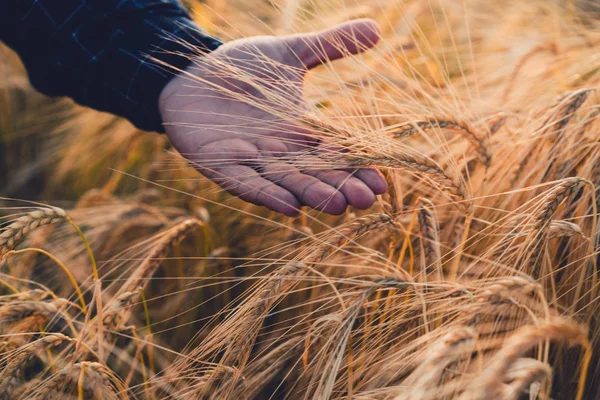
(453, 347)
(15, 367)
(85, 380)
(524, 339)
(118, 310)
(430, 242)
(18, 229)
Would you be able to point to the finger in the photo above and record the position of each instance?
(352, 37)
(370, 177)
(356, 192)
(309, 190)
(373, 179)
(248, 185)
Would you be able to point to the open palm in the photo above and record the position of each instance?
(232, 113)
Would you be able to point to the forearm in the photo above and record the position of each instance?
(96, 51)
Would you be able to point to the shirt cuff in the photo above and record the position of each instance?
(150, 56)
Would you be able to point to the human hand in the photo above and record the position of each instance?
(232, 113)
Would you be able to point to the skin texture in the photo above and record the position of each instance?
(234, 115)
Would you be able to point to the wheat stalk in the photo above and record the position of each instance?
(501, 296)
(258, 308)
(249, 318)
(118, 309)
(564, 110)
(455, 345)
(498, 289)
(90, 380)
(489, 383)
(329, 365)
(28, 314)
(346, 233)
(262, 370)
(14, 369)
(560, 114)
(420, 166)
(495, 122)
(392, 206)
(139, 277)
(522, 375)
(545, 214)
(17, 230)
(551, 47)
(430, 242)
(116, 313)
(480, 144)
(31, 295)
(560, 229)
(27, 387)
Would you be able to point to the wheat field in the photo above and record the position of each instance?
(124, 274)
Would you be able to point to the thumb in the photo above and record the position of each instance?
(340, 41)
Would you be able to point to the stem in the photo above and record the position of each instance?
(146, 312)
(149, 336)
(62, 266)
(461, 247)
(584, 370)
(98, 299)
(97, 288)
(88, 248)
(80, 382)
(8, 285)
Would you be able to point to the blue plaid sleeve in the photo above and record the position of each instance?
(97, 51)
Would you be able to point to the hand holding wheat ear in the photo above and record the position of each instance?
(236, 115)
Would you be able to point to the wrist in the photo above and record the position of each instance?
(174, 56)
